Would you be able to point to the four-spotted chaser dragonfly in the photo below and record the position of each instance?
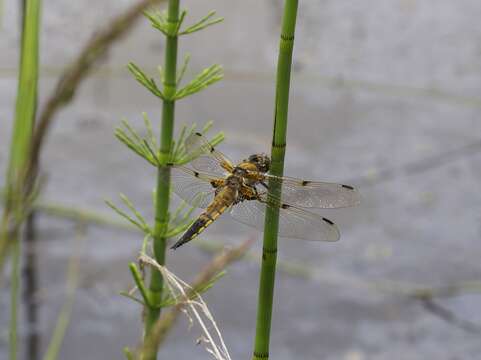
(216, 184)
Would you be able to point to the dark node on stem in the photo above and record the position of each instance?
(348, 187)
(169, 164)
(269, 251)
(278, 146)
(287, 37)
(261, 355)
(328, 221)
(306, 182)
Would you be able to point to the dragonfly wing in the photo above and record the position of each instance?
(193, 187)
(204, 154)
(208, 164)
(294, 222)
(249, 212)
(315, 194)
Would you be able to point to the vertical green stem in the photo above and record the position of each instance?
(25, 109)
(163, 175)
(20, 145)
(269, 251)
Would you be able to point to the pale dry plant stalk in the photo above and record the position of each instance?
(195, 308)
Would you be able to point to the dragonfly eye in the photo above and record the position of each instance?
(261, 161)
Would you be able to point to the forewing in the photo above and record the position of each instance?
(192, 187)
(208, 164)
(294, 222)
(314, 194)
(206, 157)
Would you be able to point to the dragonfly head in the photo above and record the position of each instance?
(261, 161)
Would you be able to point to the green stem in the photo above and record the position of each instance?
(163, 175)
(269, 251)
(25, 109)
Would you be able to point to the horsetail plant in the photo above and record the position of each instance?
(269, 250)
(164, 152)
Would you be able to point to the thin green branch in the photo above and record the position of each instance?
(143, 79)
(150, 133)
(269, 251)
(140, 284)
(145, 148)
(133, 298)
(183, 69)
(206, 77)
(160, 21)
(139, 223)
(202, 23)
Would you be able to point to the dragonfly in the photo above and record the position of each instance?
(217, 185)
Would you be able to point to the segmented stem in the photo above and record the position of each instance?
(163, 174)
(269, 251)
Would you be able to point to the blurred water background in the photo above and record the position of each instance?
(385, 96)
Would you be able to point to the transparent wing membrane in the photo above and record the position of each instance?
(192, 187)
(209, 164)
(206, 156)
(314, 194)
(294, 222)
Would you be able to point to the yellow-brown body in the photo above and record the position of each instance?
(224, 198)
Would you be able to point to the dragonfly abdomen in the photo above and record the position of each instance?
(205, 219)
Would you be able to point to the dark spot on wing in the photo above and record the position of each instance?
(328, 221)
(196, 174)
(348, 187)
(285, 206)
(198, 134)
(306, 182)
(212, 149)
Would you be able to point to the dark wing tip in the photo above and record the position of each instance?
(347, 187)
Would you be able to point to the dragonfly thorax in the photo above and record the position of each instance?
(234, 181)
(239, 171)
